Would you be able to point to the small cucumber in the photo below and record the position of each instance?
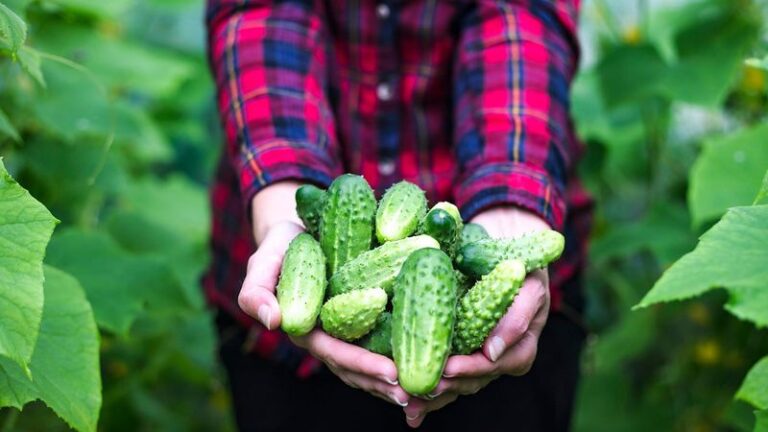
(310, 201)
(378, 267)
(346, 225)
(301, 288)
(452, 210)
(482, 307)
(440, 225)
(536, 249)
(423, 315)
(352, 315)
(400, 210)
(471, 233)
(379, 340)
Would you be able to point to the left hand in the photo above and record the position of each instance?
(511, 347)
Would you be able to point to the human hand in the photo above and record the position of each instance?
(275, 225)
(511, 347)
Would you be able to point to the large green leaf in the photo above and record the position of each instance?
(65, 363)
(25, 228)
(13, 30)
(119, 285)
(6, 127)
(728, 172)
(761, 421)
(731, 255)
(754, 389)
(640, 65)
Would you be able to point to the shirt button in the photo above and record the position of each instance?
(386, 167)
(383, 11)
(384, 92)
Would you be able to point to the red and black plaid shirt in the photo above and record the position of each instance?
(468, 99)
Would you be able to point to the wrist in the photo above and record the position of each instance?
(510, 221)
(273, 205)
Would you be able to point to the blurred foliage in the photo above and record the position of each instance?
(107, 118)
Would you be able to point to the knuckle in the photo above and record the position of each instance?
(517, 326)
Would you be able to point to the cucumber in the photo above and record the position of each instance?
(400, 210)
(482, 307)
(378, 267)
(440, 225)
(352, 315)
(346, 224)
(379, 340)
(536, 249)
(310, 201)
(452, 210)
(471, 233)
(463, 283)
(423, 315)
(301, 288)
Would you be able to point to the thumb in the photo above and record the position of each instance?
(257, 295)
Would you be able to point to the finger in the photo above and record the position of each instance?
(388, 392)
(533, 296)
(417, 409)
(342, 355)
(257, 295)
(469, 366)
(461, 386)
(519, 359)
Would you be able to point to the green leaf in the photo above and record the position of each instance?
(763, 193)
(119, 285)
(111, 8)
(29, 59)
(754, 389)
(65, 363)
(13, 29)
(731, 255)
(640, 65)
(6, 127)
(761, 421)
(728, 172)
(25, 228)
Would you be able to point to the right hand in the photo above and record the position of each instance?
(357, 367)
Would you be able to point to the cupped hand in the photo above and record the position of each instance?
(357, 367)
(511, 347)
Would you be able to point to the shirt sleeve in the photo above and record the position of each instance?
(513, 136)
(269, 62)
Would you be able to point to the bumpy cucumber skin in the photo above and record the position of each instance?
(423, 315)
(440, 225)
(301, 288)
(482, 307)
(346, 225)
(379, 340)
(471, 233)
(463, 283)
(378, 267)
(400, 210)
(536, 249)
(310, 201)
(352, 315)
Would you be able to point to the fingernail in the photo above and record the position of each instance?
(496, 347)
(415, 416)
(265, 315)
(398, 401)
(388, 380)
(433, 395)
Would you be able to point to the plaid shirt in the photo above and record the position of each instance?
(467, 99)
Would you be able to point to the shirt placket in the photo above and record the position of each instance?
(387, 94)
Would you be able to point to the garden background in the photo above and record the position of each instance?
(107, 118)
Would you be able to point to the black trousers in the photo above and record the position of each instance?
(268, 397)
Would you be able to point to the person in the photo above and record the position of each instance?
(467, 99)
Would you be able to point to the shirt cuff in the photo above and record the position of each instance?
(511, 183)
(283, 160)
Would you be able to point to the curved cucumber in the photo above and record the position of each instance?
(352, 315)
(536, 249)
(302, 283)
(483, 306)
(440, 225)
(346, 225)
(310, 201)
(423, 315)
(400, 210)
(471, 233)
(379, 340)
(378, 267)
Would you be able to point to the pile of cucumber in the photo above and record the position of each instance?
(399, 279)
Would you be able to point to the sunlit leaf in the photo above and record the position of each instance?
(731, 255)
(728, 172)
(65, 364)
(13, 30)
(763, 193)
(7, 128)
(110, 8)
(25, 228)
(754, 389)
